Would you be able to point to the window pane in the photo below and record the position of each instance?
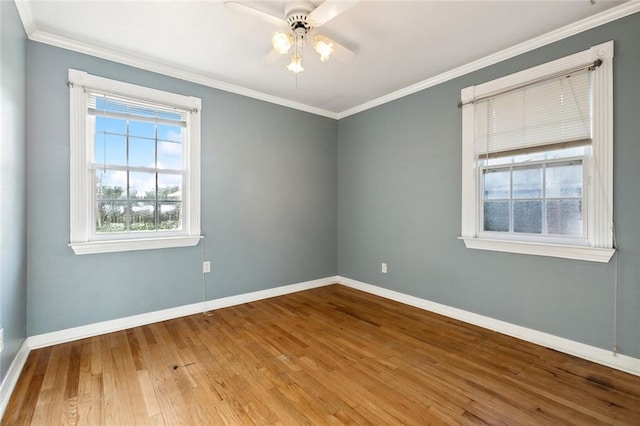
(111, 125)
(527, 216)
(534, 156)
(169, 133)
(496, 216)
(497, 161)
(142, 128)
(142, 186)
(170, 155)
(169, 215)
(170, 187)
(564, 180)
(142, 216)
(110, 216)
(142, 152)
(496, 184)
(111, 149)
(567, 152)
(527, 183)
(111, 184)
(564, 217)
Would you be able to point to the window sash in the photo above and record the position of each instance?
(544, 198)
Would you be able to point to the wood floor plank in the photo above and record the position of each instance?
(28, 389)
(331, 355)
(53, 410)
(83, 412)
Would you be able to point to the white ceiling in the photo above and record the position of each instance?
(397, 43)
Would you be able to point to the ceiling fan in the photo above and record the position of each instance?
(299, 20)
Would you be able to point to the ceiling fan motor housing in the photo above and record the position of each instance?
(297, 16)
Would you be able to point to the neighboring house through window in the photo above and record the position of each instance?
(135, 166)
(537, 159)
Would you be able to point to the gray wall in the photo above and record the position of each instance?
(13, 225)
(273, 207)
(399, 179)
(268, 204)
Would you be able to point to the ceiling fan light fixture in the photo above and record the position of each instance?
(296, 64)
(323, 45)
(282, 42)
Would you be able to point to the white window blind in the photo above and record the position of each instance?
(553, 112)
(128, 109)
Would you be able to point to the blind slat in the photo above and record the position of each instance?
(535, 149)
(125, 116)
(550, 112)
(103, 104)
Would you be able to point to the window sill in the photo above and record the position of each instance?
(591, 254)
(112, 246)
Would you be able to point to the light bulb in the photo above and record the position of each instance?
(323, 46)
(282, 42)
(296, 64)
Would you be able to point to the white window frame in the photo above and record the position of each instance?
(598, 166)
(83, 239)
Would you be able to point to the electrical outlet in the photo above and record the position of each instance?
(206, 267)
(1, 339)
(383, 268)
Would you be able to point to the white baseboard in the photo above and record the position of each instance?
(11, 378)
(591, 353)
(266, 294)
(90, 330)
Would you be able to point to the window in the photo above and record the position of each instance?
(135, 166)
(535, 196)
(537, 159)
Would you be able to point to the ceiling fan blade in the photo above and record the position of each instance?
(341, 53)
(272, 57)
(257, 13)
(328, 10)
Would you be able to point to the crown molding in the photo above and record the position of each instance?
(26, 16)
(602, 18)
(41, 36)
(169, 70)
(34, 34)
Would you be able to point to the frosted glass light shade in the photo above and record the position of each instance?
(296, 64)
(323, 46)
(282, 42)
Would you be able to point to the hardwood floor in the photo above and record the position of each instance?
(331, 355)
